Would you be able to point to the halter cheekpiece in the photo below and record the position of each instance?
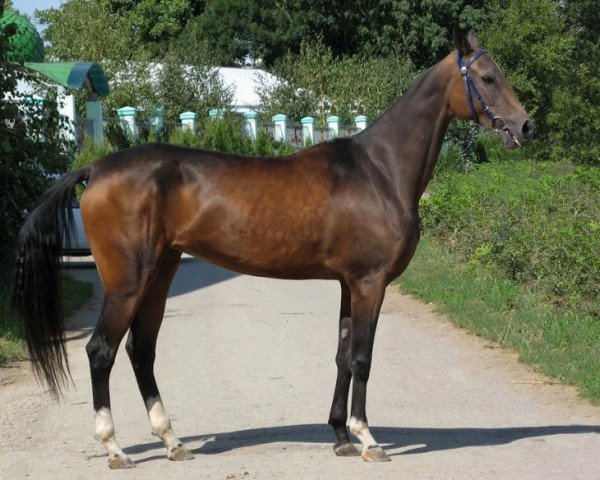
(471, 87)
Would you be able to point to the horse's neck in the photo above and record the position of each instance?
(407, 138)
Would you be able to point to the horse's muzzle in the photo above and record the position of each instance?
(527, 130)
(514, 134)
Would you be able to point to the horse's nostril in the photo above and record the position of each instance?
(528, 129)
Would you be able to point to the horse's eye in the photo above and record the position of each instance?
(487, 79)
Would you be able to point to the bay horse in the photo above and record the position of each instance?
(344, 210)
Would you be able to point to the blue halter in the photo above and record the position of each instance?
(471, 86)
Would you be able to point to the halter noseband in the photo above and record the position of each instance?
(471, 86)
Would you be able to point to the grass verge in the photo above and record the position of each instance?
(558, 343)
(12, 345)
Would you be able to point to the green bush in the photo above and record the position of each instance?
(266, 146)
(549, 51)
(463, 136)
(450, 159)
(536, 223)
(223, 135)
(227, 135)
(90, 152)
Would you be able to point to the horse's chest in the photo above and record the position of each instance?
(404, 252)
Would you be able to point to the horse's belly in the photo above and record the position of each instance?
(280, 249)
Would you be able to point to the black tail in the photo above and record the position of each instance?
(36, 296)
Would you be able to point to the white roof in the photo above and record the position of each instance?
(244, 83)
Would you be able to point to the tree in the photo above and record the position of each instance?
(235, 29)
(316, 83)
(238, 30)
(83, 30)
(182, 88)
(30, 148)
(582, 17)
(154, 23)
(548, 51)
(269, 29)
(192, 48)
(578, 102)
(106, 32)
(423, 29)
(527, 39)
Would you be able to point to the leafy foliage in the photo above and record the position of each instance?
(319, 84)
(237, 30)
(227, 135)
(181, 88)
(547, 50)
(538, 224)
(234, 29)
(90, 152)
(31, 148)
(139, 75)
(269, 29)
(462, 136)
(155, 21)
(83, 30)
(423, 30)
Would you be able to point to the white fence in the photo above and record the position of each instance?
(299, 135)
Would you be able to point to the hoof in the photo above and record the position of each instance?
(120, 461)
(375, 454)
(180, 452)
(345, 449)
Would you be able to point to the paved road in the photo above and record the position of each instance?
(246, 370)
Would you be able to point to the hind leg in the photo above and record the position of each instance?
(102, 349)
(141, 348)
(125, 277)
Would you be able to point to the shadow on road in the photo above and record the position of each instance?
(195, 274)
(192, 275)
(423, 440)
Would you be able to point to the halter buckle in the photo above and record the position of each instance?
(464, 70)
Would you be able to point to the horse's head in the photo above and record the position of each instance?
(479, 91)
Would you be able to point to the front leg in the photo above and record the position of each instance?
(161, 428)
(367, 297)
(339, 407)
(141, 348)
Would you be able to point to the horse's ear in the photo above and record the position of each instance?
(465, 43)
(459, 39)
(473, 41)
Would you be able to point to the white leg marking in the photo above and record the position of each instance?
(160, 423)
(105, 432)
(361, 431)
